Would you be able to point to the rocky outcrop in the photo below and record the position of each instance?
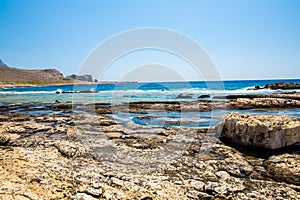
(247, 103)
(271, 132)
(53, 72)
(286, 95)
(284, 167)
(85, 77)
(282, 86)
(72, 156)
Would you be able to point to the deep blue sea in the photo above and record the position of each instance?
(128, 92)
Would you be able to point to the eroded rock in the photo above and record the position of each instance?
(39, 166)
(285, 167)
(70, 149)
(283, 86)
(269, 132)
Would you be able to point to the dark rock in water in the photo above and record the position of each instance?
(282, 86)
(233, 96)
(59, 91)
(184, 96)
(278, 86)
(255, 88)
(204, 96)
(236, 96)
(270, 132)
(287, 95)
(84, 91)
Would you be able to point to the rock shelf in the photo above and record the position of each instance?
(88, 155)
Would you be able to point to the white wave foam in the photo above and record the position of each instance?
(27, 92)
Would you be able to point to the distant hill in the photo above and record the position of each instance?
(13, 76)
(3, 64)
(10, 76)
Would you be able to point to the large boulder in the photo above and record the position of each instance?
(271, 132)
(285, 167)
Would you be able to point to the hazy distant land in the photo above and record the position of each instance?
(17, 77)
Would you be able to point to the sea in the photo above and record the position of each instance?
(155, 91)
(132, 92)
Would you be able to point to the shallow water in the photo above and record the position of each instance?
(40, 100)
(193, 119)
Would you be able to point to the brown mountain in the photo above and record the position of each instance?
(12, 76)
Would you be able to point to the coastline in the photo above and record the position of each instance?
(59, 84)
(82, 151)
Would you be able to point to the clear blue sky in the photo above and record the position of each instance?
(246, 39)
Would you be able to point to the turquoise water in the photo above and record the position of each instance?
(43, 96)
(118, 93)
(193, 119)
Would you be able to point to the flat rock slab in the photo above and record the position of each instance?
(271, 132)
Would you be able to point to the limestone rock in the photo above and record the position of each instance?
(284, 168)
(249, 103)
(4, 139)
(114, 135)
(70, 149)
(269, 132)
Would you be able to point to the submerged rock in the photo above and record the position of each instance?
(204, 96)
(271, 132)
(184, 96)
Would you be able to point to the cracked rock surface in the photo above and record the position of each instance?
(80, 156)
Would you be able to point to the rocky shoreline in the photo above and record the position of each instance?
(86, 154)
(278, 86)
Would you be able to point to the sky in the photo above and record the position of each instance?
(245, 39)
